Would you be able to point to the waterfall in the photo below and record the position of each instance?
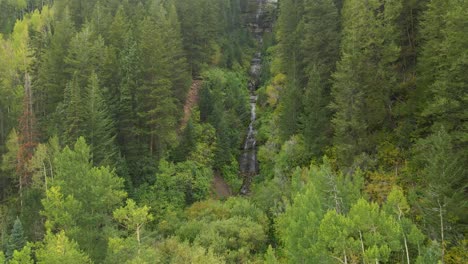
(248, 161)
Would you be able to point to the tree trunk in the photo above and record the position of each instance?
(442, 242)
(406, 249)
(138, 235)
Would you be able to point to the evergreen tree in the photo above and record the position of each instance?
(99, 125)
(442, 186)
(320, 53)
(290, 30)
(52, 74)
(270, 257)
(16, 240)
(442, 67)
(201, 25)
(127, 105)
(186, 144)
(180, 74)
(408, 94)
(85, 55)
(74, 112)
(119, 28)
(365, 78)
(156, 102)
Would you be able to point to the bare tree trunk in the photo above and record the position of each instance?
(400, 213)
(362, 247)
(442, 242)
(406, 249)
(138, 237)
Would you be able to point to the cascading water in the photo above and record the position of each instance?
(248, 162)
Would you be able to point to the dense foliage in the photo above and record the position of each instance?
(361, 130)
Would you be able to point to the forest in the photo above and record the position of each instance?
(233, 131)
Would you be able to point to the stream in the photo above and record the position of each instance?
(248, 161)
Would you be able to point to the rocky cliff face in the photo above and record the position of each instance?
(260, 14)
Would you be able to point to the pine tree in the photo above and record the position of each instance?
(442, 67)
(320, 53)
(270, 257)
(127, 106)
(201, 25)
(74, 112)
(180, 74)
(99, 125)
(16, 240)
(290, 30)
(408, 94)
(119, 28)
(442, 187)
(315, 116)
(365, 78)
(85, 55)
(156, 102)
(52, 74)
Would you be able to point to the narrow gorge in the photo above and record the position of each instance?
(248, 161)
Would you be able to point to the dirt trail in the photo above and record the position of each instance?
(220, 188)
(190, 102)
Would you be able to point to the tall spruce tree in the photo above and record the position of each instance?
(73, 111)
(442, 186)
(16, 240)
(156, 101)
(290, 30)
(129, 71)
(442, 66)
(51, 75)
(100, 131)
(365, 78)
(85, 55)
(320, 53)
